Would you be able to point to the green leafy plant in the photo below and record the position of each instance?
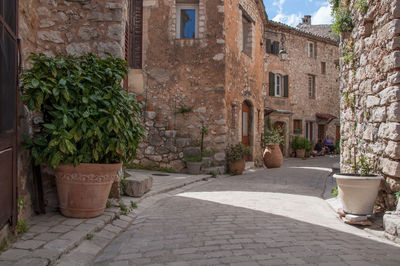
(133, 205)
(193, 159)
(272, 136)
(123, 209)
(397, 195)
(300, 143)
(21, 227)
(342, 19)
(213, 174)
(362, 6)
(142, 167)
(337, 147)
(87, 116)
(89, 236)
(108, 205)
(236, 152)
(363, 165)
(335, 192)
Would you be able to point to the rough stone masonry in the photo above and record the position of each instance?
(370, 93)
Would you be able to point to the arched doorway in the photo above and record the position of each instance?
(282, 126)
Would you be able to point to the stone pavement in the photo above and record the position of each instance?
(53, 238)
(263, 217)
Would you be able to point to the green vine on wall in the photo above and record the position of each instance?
(342, 17)
(362, 6)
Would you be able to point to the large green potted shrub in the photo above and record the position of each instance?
(90, 126)
(235, 155)
(300, 145)
(271, 141)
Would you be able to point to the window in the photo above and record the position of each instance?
(312, 50)
(187, 26)
(311, 86)
(272, 47)
(309, 130)
(278, 85)
(278, 82)
(247, 35)
(133, 35)
(297, 128)
(323, 68)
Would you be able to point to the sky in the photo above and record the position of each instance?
(291, 12)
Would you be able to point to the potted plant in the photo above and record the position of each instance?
(235, 155)
(358, 190)
(271, 141)
(300, 144)
(193, 164)
(90, 126)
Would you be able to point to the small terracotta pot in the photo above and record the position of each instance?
(273, 157)
(237, 167)
(300, 153)
(83, 190)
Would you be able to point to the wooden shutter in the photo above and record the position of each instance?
(275, 47)
(271, 84)
(268, 46)
(286, 86)
(135, 33)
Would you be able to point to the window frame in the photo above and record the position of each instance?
(278, 76)
(311, 53)
(311, 86)
(245, 42)
(297, 131)
(179, 8)
(310, 130)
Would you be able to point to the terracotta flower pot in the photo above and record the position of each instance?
(237, 167)
(273, 157)
(300, 153)
(83, 190)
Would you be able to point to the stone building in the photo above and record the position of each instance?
(207, 72)
(187, 63)
(370, 96)
(302, 84)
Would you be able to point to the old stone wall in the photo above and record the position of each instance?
(58, 26)
(183, 85)
(244, 72)
(370, 93)
(298, 66)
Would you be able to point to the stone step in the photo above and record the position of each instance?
(219, 170)
(250, 165)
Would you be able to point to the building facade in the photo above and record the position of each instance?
(302, 85)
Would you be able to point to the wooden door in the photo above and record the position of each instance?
(8, 110)
(245, 124)
(321, 132)
(337, 133)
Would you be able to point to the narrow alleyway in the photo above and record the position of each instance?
(264, 217)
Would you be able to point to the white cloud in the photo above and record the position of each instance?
(323, 15)
(291, 19)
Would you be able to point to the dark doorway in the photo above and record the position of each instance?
(321, 132)
(8, 110)
(245, 124)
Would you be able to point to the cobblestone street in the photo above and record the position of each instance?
(263, 217)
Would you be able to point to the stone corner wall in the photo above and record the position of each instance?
(370, 93)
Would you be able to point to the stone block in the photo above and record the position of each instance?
(391, 223)
(115, 32)
(372, 101)
(110, 47)
(393, 150)
(51, 36)
(191, 151)
(389, 95)
(155, 140)
(78, 48)
(389, 167)
(137, 185)
(87, 33)
(170, 133)
(29, 244)
(393, 112)
(182, 142)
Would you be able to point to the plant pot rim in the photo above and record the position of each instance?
(356, 176)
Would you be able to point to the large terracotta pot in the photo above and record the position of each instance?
(83, 190)
(300, 153)
(237, 167)
(357, 193)
(273, 157)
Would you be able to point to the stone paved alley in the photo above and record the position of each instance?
(263, 217)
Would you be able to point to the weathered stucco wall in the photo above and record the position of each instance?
(298, 65)
(370, 93)
(244, 73)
